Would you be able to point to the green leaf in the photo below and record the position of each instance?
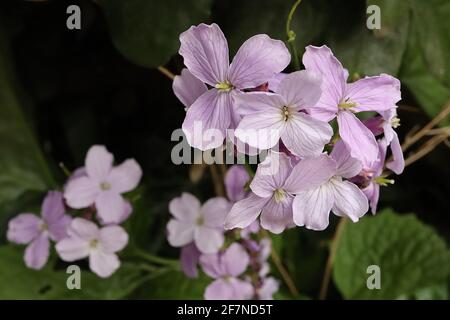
(371, 52)
(19, 282)
(22, 164)
(239, 22)
(147, 31)
(174, 285)
(423, 70)
(411, 256)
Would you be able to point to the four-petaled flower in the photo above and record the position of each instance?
(28, 228)
(205, 52)
(225, 267)
(342, 100)
(196, 223)
(85, 239)
(103, 185)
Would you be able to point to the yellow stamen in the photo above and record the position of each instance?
(383, 181)
(224, 86)
(395, 122)
(105, 186)
(279, 195)
(286, 113)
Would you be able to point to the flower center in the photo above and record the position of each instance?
(279, 195)
(43, 227)
(382, 181)
(94, 243)
(395, 122)
(286, 113)
(200, 220)
(105, 186)
(346, 104)
(224, 86)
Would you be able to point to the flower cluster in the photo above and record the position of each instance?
(96, 188)
(321, 157)
(239, 269)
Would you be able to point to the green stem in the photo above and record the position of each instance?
(249, 169)
(158, 260)
(291, 35)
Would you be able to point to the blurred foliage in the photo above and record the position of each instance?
(62, 91)
(409, 254)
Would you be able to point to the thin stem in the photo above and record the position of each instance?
(155, 259)
(284, 273)
(166, 72)
(426, 148)
(282, 270)
(217, 180)
(291, 35)
(329, 266)
(422, 132)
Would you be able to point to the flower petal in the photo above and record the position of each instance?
(235, 260)
(110, 207)
(268, 289)
(372, 192)
(275, 217)
(81, 192)
(310, 173)
(103, 264)
(257, 101)
(205, 52)
(261, 130)
(23, 228)
(301, 89)
(398, 163)
(71, 249)
(98, 162)
(274, 82)
(53, 206)
(347, 166)
(185, 208)
(212, 265)
(305, 136)
(207, 120)
(378, 93)
(321, 60)
(189, 259)
(214, 212)
(312, 208)
(244, 212)
(58, 228)
(257, 60)
(83, 229)
(208, 240)
(125, 177)
(271, 174)
(113, 238)
(188, 88)
(242, 289)
(219, 289)
(37, 252)
(179, 233)
(357, 137)
(349, 200)
(235, 180)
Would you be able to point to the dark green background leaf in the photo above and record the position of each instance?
(410, 254)
(146, 31)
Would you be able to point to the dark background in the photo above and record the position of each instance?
(77, 89)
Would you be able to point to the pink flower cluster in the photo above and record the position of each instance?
(240, 270)
(310, 169)
(95, 188)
